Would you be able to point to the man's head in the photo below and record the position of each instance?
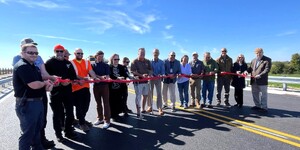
(195, 55)
(141, 54)
(67, 54)
(207, 56)
(29, 52)
(172, 56)
(155, 53)
(99, 56)
(223, 52)
(78, 53)
(259, 52)
(27, 41)
(59, 51)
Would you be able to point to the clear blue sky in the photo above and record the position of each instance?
(122, 26)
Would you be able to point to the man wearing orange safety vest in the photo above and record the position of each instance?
(81, 91)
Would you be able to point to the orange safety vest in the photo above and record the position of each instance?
(82, 69)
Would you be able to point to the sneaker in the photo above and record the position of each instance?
(263, 110)
(84, 128)
(255, 108)
(98, 122)
(129, 111)
(173, 109)
(226, 104)
(165, 107)
(89, 124)
(218, 104)
(202, 105)
(160, 112)
(105, 125)
(48, 144)
(125, 114)
(149, 110)
(71, 135)
(209, 106)
(139, 116)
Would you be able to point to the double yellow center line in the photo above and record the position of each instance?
(250, 127)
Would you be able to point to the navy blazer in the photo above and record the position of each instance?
(176, 70)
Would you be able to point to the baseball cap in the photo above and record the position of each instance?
(27, 41)
(194, 53)
(58, 47)
(67, 53)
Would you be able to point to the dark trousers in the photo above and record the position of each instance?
(238, 95)
(124, 94)
(223, 81)
(63, 116)
(115, 102)
(31, 119)
(82, 99)
(101, 93)
(45, 103)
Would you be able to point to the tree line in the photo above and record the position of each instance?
(287, 67)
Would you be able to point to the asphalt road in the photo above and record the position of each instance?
(217, 128)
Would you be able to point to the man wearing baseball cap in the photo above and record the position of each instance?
(45, 75)
(61, 103)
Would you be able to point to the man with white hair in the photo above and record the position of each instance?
(259, 69)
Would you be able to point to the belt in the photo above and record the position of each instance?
(30, 99)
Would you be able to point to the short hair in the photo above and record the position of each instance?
(125, 58)
(24, 47)
(183, 57)
(258, 50)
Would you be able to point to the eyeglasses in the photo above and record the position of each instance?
(173, 55)
(79, 53)
(59, 51)
(241, 57)
(127, 62)
(117, 59)
(224, 51)
(32, 53)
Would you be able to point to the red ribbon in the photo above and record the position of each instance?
(59, 80)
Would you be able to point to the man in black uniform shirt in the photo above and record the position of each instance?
(60, 96)
(29, 89)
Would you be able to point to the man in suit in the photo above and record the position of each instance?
(259, 68)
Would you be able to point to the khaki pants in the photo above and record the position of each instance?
(195, 84)
(157, 84)
(171, 88)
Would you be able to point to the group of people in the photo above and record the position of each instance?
(68, 84)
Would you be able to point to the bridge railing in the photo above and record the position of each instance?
(284, 80)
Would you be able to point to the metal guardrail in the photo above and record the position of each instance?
(284, 80)
(5, 86)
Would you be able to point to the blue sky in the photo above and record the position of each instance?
(122, 26)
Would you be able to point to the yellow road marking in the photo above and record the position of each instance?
(260, 130)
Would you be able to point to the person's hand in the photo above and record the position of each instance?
(120, 78)
(212, 73)
(257, 77)
(238, 72)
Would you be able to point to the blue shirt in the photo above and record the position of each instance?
(186, 70)
(38, 62)
(158, 67)
(197, 66)
(101, 69)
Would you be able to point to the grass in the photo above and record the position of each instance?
(280, 85)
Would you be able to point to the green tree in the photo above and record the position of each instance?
(278, 67)
(295, 62)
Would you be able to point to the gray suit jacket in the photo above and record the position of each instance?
(262, 69)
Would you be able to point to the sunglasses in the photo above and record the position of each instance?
(32, 53)
(116, 59)
(79, 53)
(59, 51)
(224, 51)
(173, 55)
(127, 62)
